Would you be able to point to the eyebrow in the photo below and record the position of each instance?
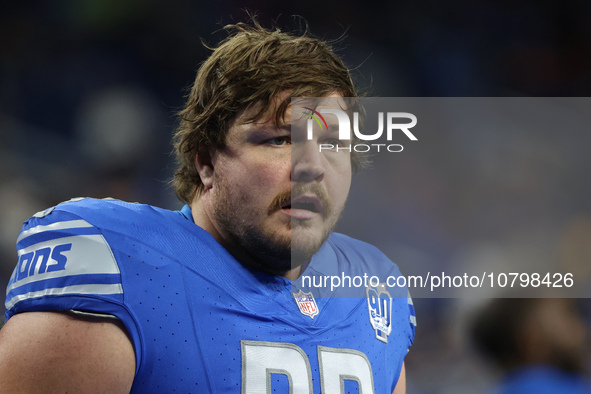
(272, 127)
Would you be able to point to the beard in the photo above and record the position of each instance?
(243, 224)
(304, 242)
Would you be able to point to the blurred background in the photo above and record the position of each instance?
(89, 89)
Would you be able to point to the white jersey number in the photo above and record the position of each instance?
(260, 359)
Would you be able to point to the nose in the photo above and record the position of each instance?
(306, 162)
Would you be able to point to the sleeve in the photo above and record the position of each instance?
(65, 263)
(412, 321)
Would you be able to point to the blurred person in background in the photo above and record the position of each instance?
(539, 344)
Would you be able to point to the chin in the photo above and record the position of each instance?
(304, 246)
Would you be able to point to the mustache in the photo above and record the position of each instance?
(300, 189)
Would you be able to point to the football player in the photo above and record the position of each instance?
(113, 297)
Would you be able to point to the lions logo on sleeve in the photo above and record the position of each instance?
(60, 256)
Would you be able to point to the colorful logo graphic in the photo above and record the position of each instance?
(306, 303)
(313, 116)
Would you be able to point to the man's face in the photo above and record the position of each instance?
(560, 331)
(275, 196)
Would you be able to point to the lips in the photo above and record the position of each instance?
(306, 203)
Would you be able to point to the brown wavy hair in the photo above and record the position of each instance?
(251, 66)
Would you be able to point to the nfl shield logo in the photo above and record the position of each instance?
(306, 303)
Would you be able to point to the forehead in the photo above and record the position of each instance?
(304, 108)
(294, 112)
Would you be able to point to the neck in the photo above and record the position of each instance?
(202, 218)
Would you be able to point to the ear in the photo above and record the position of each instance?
(204, 163)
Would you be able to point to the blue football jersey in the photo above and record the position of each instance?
(199, 320)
